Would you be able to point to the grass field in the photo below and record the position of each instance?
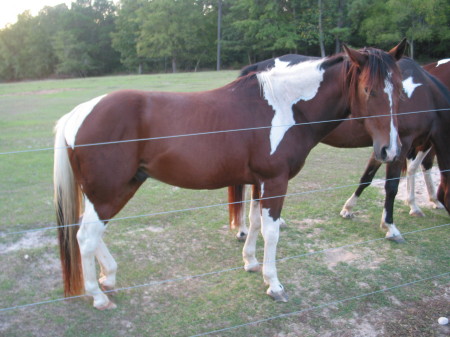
(180, 269)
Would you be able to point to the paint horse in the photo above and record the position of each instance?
(106, 148)
(422, 155)
(422, 92)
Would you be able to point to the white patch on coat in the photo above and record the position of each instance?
(409, 86)
(76, 117)
(441, 62)
(285, 85)
(393, 135)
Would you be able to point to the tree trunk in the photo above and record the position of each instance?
(219, 24)
(340, 24)
(321, 42)
(174, 64)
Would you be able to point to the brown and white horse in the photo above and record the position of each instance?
(423, 155)
(242, 133)
(421, 93)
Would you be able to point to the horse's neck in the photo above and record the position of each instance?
(330, 105)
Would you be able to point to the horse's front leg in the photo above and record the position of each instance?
(391, 188)
(89, 239)
(272, 197)
(372, 167)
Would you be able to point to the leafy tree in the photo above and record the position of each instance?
(83, 44)
(387, 21)
(176, 29)
(126, 34)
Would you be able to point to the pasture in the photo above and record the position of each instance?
(180, 272)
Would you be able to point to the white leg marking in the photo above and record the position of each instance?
(347, 210)
(392, 231)
(89, 237)
(249, 250)
(108, 267)
(285, 85)
(76, 117)
(431, 189)
(412, 166)
(270, 232)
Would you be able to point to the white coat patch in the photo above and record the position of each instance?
(76, 117)
(409, 86)
(285, 85)
(441, 62)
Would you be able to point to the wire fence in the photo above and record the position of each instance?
(178, 279)
(219, 131)
(190, 277)
(116, 219)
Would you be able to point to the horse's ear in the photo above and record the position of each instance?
(398, 51)
(355, 56)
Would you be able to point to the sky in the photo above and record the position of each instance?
(10, 9)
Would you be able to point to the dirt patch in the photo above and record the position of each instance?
(28, 241)
(335, 256)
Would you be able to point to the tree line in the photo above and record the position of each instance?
(97, 37)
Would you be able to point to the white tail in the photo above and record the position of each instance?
(68, 204)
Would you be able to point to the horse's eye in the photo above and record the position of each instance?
(369, 92)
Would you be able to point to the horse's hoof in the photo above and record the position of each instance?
(108, 306)
(241, 237)
(418, 214)
(253, 268)
(396, 238)
(279, 296)
(347, 214)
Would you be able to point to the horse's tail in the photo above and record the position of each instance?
(235, 204)
(68, 203)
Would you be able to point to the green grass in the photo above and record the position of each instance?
(176, 245)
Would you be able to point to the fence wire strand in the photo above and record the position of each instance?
(190, 277)
(209, 206)
(219, 131)
(337, 302)
(185, 278)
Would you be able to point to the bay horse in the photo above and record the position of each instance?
(349, 134)
(107, 147)
(422, 155)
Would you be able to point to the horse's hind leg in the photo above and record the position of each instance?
(412, 166)
(249, 250)
(108, 267)
(89, 239)
(427, 165)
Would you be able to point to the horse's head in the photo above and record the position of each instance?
(375, 85)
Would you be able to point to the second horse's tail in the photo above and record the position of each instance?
(235, 205)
